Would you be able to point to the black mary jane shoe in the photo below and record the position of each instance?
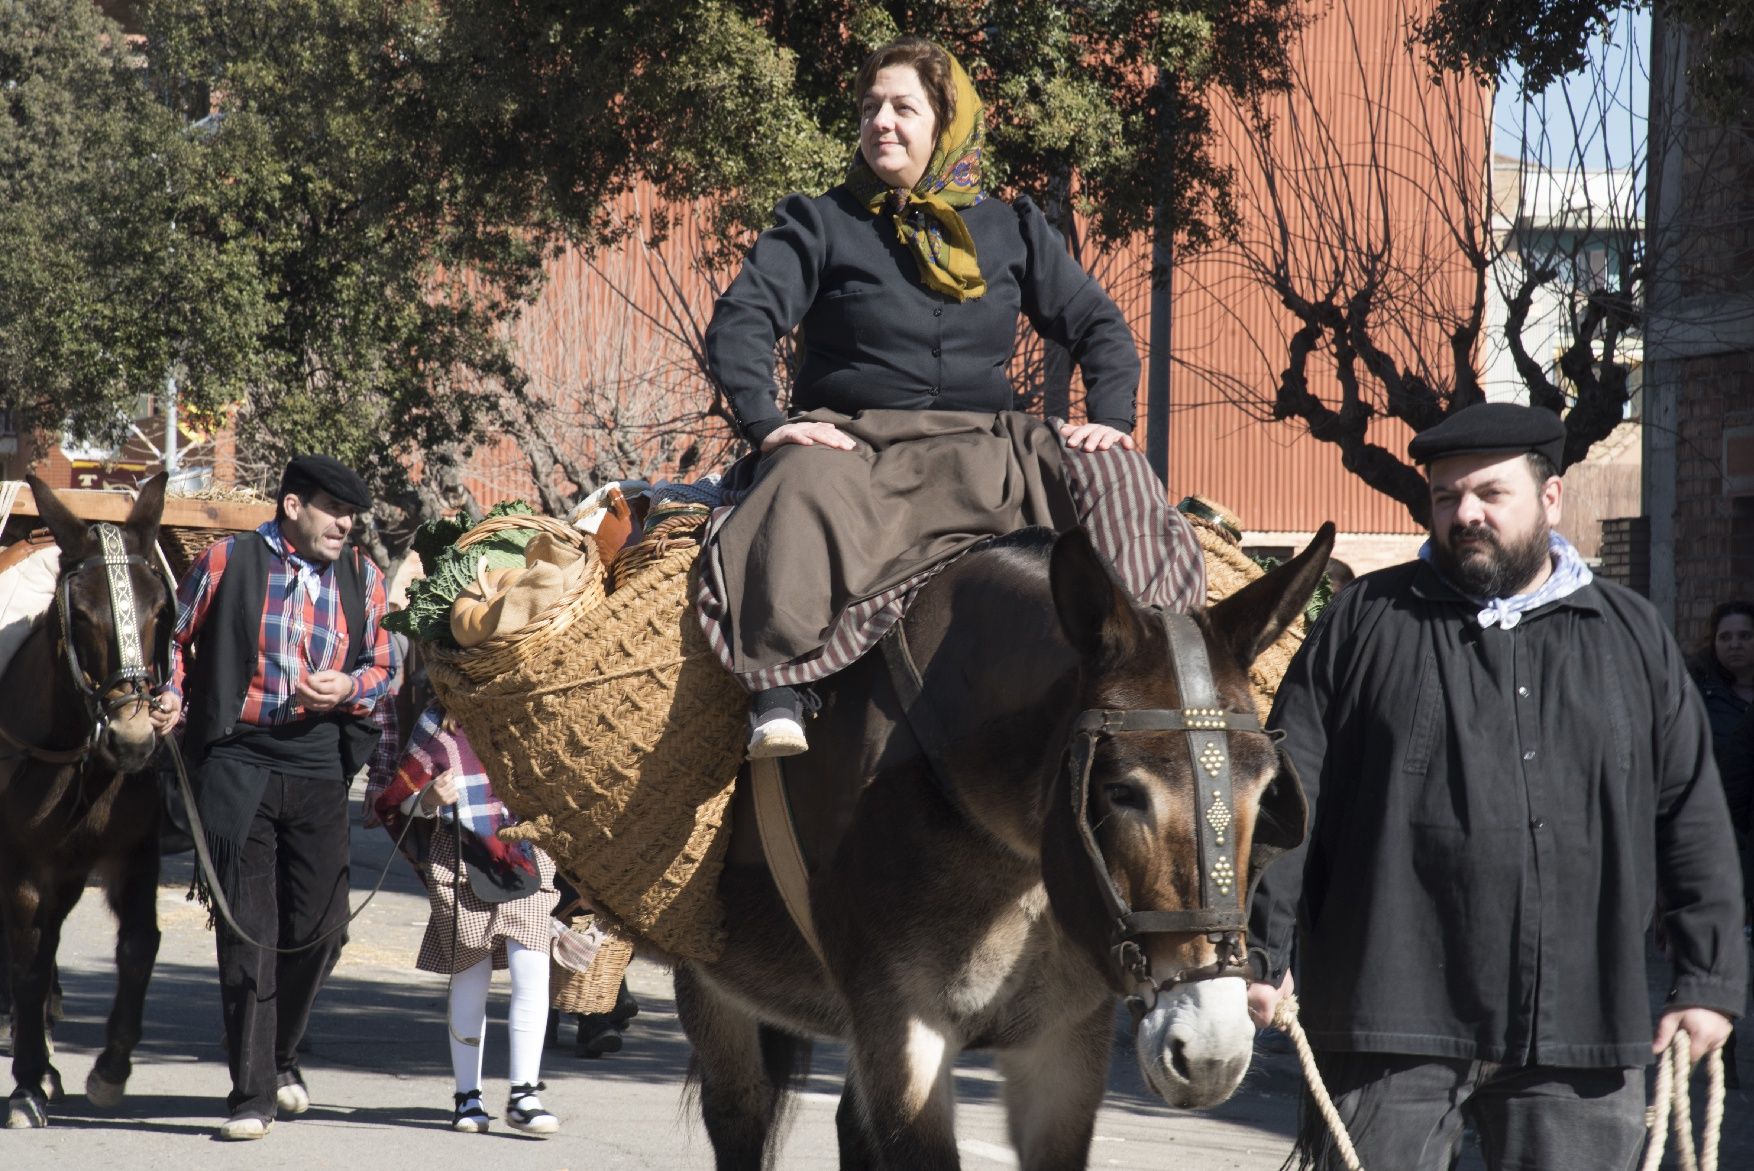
(468, 1117)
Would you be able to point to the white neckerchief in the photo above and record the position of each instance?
(1569, 575)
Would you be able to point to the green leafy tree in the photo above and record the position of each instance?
(389, 272)
(108, 280)
(736, 103)
(1548, 39)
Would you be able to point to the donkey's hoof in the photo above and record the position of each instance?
(57, 1091)
(26, 1112)
(102, 1094)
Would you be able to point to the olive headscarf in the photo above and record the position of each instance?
(926, 218)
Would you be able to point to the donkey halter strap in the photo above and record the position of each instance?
(1205, 722)
(131, 670)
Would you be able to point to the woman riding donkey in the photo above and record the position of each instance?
(907, 280)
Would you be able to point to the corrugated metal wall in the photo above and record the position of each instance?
(1229, 335)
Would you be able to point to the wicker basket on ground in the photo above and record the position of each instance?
(609, 728)
(1228, 569)
(597, 988)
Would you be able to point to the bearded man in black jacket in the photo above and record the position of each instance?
(1506, 762)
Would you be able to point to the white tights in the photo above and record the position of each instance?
(526, 1020)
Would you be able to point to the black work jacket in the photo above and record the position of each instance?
(1493, 813)
(875, 337)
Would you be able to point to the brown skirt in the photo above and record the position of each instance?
(825, 549)
(481, 929)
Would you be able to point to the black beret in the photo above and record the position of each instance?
(1487, 427)
(321, 473)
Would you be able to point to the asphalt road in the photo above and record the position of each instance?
(379, 1075)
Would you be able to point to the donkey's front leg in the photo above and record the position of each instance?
(902, 1069)
(1053, 1088)
(133, 896)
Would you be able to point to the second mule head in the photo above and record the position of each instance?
(111, 666)
(1172, 802)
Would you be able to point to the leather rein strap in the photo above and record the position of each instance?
(779, 844)
(773, 812)
(1205, 722)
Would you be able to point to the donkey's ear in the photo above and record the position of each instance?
(1252, 619)
(69, 531)
(1095, 611)
(148, 507)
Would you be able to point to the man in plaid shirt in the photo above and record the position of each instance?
(280, 656)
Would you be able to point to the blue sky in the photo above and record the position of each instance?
(1600, 113)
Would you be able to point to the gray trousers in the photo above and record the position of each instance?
(1407, 1114)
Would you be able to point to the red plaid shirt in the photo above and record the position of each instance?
(302, 631)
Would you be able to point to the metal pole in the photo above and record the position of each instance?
(1157, 374)
(170, 424)
(1162, 273)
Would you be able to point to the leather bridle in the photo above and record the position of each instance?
(1220, 915)
(132, 680)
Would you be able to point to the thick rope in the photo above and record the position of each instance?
(1285, 1020)
(1671, 1108)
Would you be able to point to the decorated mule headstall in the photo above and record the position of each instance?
(1220, 915)
(133, 678)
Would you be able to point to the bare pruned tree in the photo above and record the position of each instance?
(617, 381)
(1399, 267)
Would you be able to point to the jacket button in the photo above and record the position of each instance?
(1523, 691)
(937, 313)
(1529, 755)
(936, 351)
(1538, 823)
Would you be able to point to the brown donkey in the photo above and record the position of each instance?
(1057, 843)
(75, 739)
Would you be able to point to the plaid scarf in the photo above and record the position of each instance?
(926, 218)
(433, 749)
(1569, 575)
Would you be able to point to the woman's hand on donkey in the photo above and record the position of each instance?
(1095, 437)
(442, 791)
(808, 435)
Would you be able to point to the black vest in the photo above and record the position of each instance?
(228, 647)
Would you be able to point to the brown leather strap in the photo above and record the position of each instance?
(779, 842)
(46, 755)
(20, 550)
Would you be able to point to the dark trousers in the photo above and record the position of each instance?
(292, 888)
(1407, 1113)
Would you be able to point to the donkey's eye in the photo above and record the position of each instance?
(1123, 796)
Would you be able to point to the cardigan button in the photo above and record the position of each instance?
(933, 392)
(936, 351)
(937, 313)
